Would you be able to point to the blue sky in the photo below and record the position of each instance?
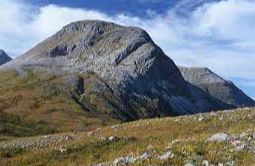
(129, 7)
(211, 33)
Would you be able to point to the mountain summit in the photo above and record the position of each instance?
(4, 58)
(116, 71)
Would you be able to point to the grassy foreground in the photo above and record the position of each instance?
(166, 141)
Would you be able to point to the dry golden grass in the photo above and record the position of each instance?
(44, 100)
(185, 136)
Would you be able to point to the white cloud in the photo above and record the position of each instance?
(218, 35)
(51, 18)
(24, 25)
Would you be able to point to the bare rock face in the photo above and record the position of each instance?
(4, 58)
(216, 86)
(130, 76)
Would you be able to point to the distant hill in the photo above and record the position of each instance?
(216, 86)
(4, 58)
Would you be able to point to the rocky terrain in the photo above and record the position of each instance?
(211, 139)
(110, 71)
(4, 58)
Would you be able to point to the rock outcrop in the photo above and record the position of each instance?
(214, 85)
(129, 76)
(4, 58)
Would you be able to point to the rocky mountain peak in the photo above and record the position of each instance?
(116, 53)
(92, 35)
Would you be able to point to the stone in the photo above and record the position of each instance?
(243, 135)
(67, 138)
(220, 137)
(145, 156)
(201, 118)
(253, 135)
(62, 150)
(115, 126)
(112, 138)
(150, 147)
(190, 164)
(166, 155)
(90, 133)
(221, 118)
(238, 145)
(124, 161)
(205, 163)
(230, 163)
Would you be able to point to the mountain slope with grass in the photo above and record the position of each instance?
(44, 101)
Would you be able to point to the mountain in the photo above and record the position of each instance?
(4, 58)
(93, 73)
(216, 86)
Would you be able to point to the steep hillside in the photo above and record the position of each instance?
(216, 86)
(4, 58)
(222, 138)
